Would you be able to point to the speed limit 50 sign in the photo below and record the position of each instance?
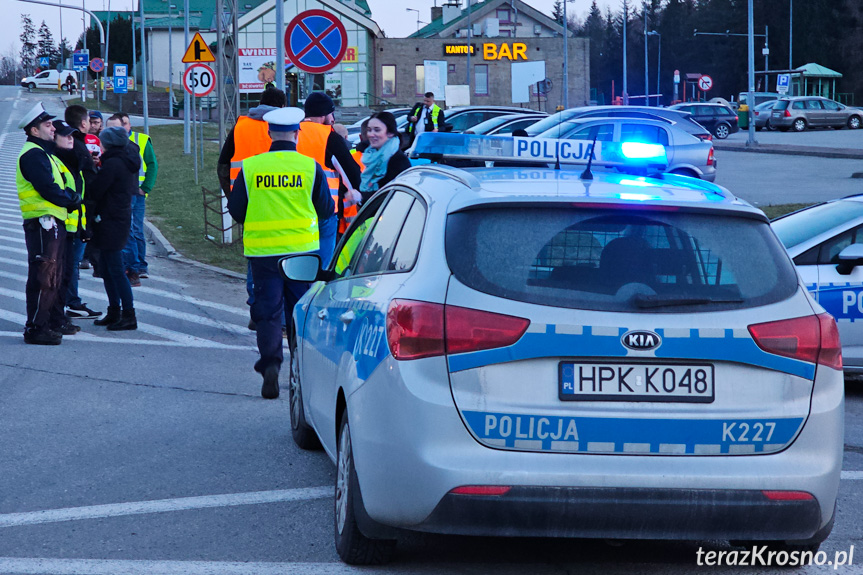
(199, 80)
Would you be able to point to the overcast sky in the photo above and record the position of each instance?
(391, 16)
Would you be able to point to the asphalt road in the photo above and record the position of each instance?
(151, 452)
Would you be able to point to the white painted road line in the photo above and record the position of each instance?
(46, 566)
(162, 506)
(852, 475)
(81, 336)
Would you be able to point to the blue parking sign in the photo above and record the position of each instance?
(783, 81)
(121, 78)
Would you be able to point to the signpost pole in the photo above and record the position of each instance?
(280, 45)
(195, 136)
(750, 98)
(187, 141)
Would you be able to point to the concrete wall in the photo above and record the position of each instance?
(407, 53)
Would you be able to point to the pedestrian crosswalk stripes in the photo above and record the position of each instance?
(166, 315)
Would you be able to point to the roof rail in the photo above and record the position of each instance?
(457, 174)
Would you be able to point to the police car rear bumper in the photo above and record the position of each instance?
(626, 514)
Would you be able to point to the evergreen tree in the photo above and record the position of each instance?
(28, 43)
(557, 11)
(46, 46)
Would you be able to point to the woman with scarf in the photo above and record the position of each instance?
(383, 159)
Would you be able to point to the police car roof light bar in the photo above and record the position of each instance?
(442, 146)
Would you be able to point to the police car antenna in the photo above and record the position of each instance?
(587, 174)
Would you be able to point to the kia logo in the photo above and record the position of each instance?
(641, 340)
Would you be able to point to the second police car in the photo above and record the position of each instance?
(522, 350)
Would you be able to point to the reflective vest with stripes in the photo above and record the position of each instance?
(312, 142)
(280, 218)
(141, 140)
(435, 112)
(33, 205)
(72, 218)
(251, 137)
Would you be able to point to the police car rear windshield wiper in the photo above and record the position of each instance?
(650, 301)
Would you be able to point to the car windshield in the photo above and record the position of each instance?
(618, 260)
(798, 227)
(489, 125)
(550, 122)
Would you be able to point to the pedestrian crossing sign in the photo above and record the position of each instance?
(198, 51)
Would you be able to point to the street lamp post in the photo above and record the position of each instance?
(170, 63)
(625, 18)
(646, 68)
(565, 58)
(144, 68)
(750, 98)
(418, 15)
(658, 63)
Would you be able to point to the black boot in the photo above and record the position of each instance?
(126, 322)
(111, 316)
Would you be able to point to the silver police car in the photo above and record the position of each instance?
(528, 351)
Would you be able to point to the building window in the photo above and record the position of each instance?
(451, 68)
(388, 79)
(503, 15)
(421, 80)
(480, 74)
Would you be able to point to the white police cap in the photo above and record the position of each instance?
(36, 114)
(285, 119)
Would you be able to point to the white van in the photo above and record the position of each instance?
(51, 79)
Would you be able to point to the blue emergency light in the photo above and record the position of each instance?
(506, 150)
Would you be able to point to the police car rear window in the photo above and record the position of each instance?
(618, 260)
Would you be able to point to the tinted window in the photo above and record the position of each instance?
(643, 133)
(377, 251)
(798, 105)
(798, 227)
(348, 249)
(618, 261)
(464, 121)
(781, 105)
(408, 244)
(829, 250)
(602, 133)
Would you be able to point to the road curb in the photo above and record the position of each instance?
(835, 153)
(166, 250)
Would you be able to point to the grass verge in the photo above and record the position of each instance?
(781, 209)
(176, 205)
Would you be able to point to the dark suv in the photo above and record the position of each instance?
(718, 118)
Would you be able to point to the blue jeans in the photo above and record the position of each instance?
(74, 253)
(135, 252)
(117, 285)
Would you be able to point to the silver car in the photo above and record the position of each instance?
(804, 112)
(538, 352)
(687, 155)
(761, 115)
(826, 243)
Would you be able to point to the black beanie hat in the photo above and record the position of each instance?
(318, 104)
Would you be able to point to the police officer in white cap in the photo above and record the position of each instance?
(45, 193)
(280, 196)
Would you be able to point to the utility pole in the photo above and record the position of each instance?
(565, 58)
(144, 69)
(280, 45)
(790, 33)
(625, 18)
(107, 48)
(646, 67)
(170, 62)
(469, 30)
(750, 98)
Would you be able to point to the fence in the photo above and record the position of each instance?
(219, 227)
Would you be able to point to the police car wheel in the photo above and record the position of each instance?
(303, 434)
(353, 547)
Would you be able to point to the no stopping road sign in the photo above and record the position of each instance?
(199, 80)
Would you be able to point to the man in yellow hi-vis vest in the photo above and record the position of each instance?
(45, 199)
(280, 197)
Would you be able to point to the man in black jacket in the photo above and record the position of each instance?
(426, 116)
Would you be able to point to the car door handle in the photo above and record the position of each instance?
(347, 317)
(322, 314)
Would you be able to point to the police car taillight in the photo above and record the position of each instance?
(418, 329)
(813, 338)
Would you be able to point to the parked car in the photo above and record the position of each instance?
(399, 113)
(802, 112)
(720, 120)
(687, 155)
(51, 79)
(760, 97)
(826, 243)
(506, 124)
(463, 118)
(605, 357)
(683, 119)
(761, 115)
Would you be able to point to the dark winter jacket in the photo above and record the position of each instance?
(397, 164)
(109, 198)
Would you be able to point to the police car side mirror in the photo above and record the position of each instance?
(301, 267)
(849, 258)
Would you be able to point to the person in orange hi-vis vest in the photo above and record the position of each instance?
(248, 138)
(357, 152)
(318, 140)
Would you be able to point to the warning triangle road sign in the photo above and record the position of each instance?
(198, 51)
